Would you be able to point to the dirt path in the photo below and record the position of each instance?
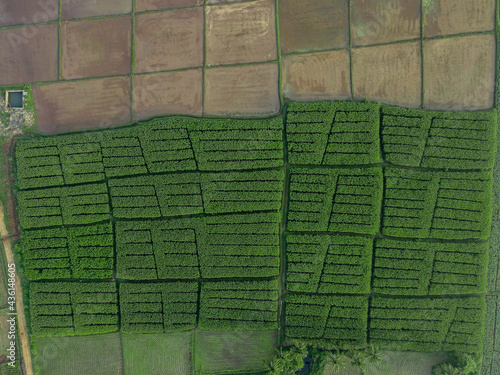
(21, 320)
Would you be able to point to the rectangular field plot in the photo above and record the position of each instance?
(339, 200)
(238, 306)
(211, 247)
(447, 205)
(96, 355)
(68, 205)
(63, 253)
(491, 355)
(418, 138)
(328, 264)
(233, 352)
(327, 321)
(420, 268)
(428, 324)
(333, 133)
(158, 307)
(157, 354)
(195, 193)
(68, 309)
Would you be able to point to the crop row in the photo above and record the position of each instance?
(160, 146)
(333, 133)
(491, 354)
(417, 324)
(210, 247)
(421, 138)
(340, 200)
(318, 133)
(67, 309)
(85, 252)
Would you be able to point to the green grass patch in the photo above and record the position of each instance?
(233, 352)
(157, 354)
(96, 355)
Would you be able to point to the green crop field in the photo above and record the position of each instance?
(97, 355)
(341, 224)
(157, 354)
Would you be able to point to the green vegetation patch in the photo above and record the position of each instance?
(243, 245)
(158, 307)
(84, 252)
(67, 309)
(491, 356)
(333, 133)
(157, 354)
(420, 268)
(238, 306)
(419, 138)
(447, 205)
(327, 321)
(340, 200)
(428, 324)
(328, 264)
(96, 355)
(233, 352)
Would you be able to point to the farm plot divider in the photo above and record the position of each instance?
(387, 209)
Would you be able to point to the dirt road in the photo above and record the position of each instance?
(21, 320)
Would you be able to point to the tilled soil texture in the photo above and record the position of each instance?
(28, 12)
(317, 76)
(241, 32)
(145, 5)
(79, 105)
(313, 25)
(96, 48)
(169, 40)
(28, 54)
(247, 90)
(167, 93)
(374, 21)
(389, 73)
(459, 73)
(442, 17)
(71, 9)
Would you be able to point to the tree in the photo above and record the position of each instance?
(287, 361)
(446, 369)
(335, 360)
(373, 354)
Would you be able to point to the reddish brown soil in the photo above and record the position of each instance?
(167, 93)
(28, 12)
(317, 76)
(389, 73)
(375, 21)
(96, 48)
(241, 32)
(28, 54)
(78, 105)
(169, 40)
(242, 90)
(313, 25)
(72, 9)
(443, 17)
(144, 5)
(459, 73)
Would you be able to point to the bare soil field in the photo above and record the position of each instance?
(242, 90)
(145, 5)
(317, 76)
(169, 40)
(167, 93)
(313, 25)
(443, 17)
(72, 9)
(375, 21)
(459, 73)
(96, 48)
(28, 54)
(28, 12)
(241, 32)
(78, 105)
(388, 73)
